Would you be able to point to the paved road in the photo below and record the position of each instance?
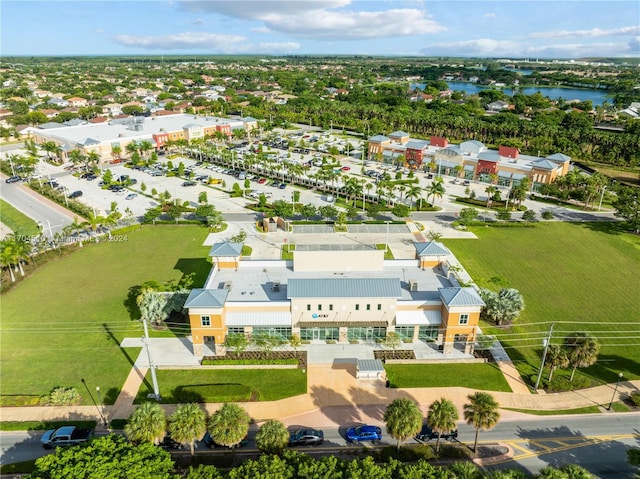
(47, 213)
(597, 442)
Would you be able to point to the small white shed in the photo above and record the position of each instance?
(369, 369)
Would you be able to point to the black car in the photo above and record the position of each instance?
(75, 194)
(426, 434)
(209, 442)
(13, 179)
(189, 183)
(171, 444)
(306, 437)
(52, 184)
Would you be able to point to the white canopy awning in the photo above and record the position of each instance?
(259, 319)
(411, 318)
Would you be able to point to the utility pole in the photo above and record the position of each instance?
(154, 379)
(545, 343)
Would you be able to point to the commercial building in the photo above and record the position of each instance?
(342, 293)
(157, 130)
(470, 160)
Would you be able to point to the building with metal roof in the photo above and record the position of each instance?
(471, 160)
(338, 294)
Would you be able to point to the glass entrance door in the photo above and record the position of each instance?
(315, 334)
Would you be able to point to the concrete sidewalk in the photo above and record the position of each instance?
(336, 397)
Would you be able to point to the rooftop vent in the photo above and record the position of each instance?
(413, 285)
(227, 284)
(276, 286)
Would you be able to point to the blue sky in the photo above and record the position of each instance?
(503, 29)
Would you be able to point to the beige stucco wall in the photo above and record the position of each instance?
(344, 309)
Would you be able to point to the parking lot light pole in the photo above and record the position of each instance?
(615, 390)
(101, 408)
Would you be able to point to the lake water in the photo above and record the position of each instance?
(598, 97)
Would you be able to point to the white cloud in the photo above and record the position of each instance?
(198, 21)
(506, 48)
(256, 9)
(99, 31)
(489, 15)
(261, 30)
(484, 47)
(209, 42)
(593, 33)
(324, 19)
(178, 41)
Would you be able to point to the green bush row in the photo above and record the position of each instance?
(244, 362)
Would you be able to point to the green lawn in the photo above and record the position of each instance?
(64, 323)
(582, 276)
(228, 385)
(535, 412)
(481, 376)
(16, 220)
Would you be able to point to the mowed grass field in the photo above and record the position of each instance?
(582, 276)
(65, 322)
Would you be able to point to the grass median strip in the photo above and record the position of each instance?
(16, 220)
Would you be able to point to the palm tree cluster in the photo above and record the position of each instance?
(228, 427)
(15, 250)
(404, 419)
(579, 350)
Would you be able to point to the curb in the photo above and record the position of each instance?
(487, 461)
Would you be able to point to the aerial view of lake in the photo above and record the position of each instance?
(598, 97)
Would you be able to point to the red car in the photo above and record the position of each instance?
(345, 168)
(262, 181)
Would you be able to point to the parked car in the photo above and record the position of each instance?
(364, 433)
(52, 184)
(262, 181)
(345, 168)
(466, 183)
(75, 194)
(426, 434)
(13, 179)
(189, 183)
(282, 186)
(169, 443)
(306, 437)
(131, 196)
(65, 436)
(209, 442)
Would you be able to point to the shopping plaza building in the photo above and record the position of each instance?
(470, 160)
(341, 293)
(157, 130)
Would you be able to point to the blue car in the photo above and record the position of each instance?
(364, 433)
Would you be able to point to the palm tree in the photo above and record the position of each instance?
(556, 358)
(229, 425)
(442, 417)
(147, 424)
(7, 257)
(272, 437)
(116, 151)
(187, 424)
(403, 419)
(75, 227)
(414, 191)
(22, 250)
(481, 412)
(582, 350)
(490, 190)
(436, 189)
